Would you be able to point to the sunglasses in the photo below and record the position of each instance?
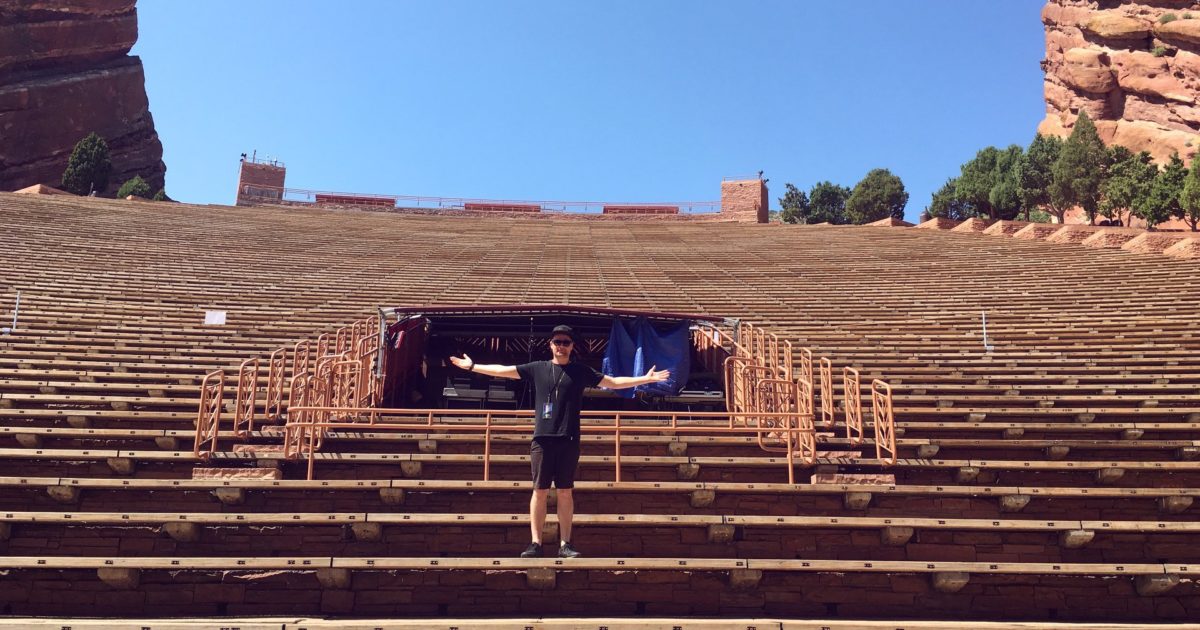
(562, 342)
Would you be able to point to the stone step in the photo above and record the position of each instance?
(838, 455)
(861, 479)
(236, 473)
(268, 451)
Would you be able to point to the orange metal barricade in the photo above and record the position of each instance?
(884, 420)
(788, 358)
(806, 375)
(344, 393)
(488, 422)
(295, 436)
(335, 381)
(208, 421)
(246, 401)
(276, 369)
(786, 429)
(301, 358)
(852, 392)
(737, 398)
(827, 417)
(323, 345)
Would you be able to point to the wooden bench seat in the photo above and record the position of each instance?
(589, 564)
(86, 519)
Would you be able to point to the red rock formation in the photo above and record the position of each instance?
(65, 71)
(1137, 76)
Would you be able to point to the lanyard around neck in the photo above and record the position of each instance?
(554, 390)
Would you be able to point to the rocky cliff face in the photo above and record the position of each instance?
(65, 71)
(1134, 67)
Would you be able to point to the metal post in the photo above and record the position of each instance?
(617, 443)
(16, 311)
(986, 346)
(487, 447)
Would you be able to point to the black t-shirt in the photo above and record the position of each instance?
(558, 388)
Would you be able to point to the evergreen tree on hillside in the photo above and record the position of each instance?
(1005, 195)
(946, 203)
(794, 205)
(1163, 200)
(1129, 181)
(878, 196)
(989, 182)
(1078, 173)
(1189, 199)
(135, 186)
(1034, 174)
(89, 166)
(827, 203)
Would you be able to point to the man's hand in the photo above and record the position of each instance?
(658, 376)
(464, 362)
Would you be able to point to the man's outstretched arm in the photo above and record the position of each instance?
(625, 382)
(500, 371)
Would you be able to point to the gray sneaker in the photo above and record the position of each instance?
(534, 550)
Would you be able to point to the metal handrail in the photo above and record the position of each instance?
(276, 194)
(884, 420)
(316, 422)
(827, 415)
(852, 392)
(208, 420)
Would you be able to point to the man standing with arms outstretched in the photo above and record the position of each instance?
(558, 387)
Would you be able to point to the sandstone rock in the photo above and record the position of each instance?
(64, 72)
(1179, 32)
(891, 222)
(974, 225)
(1058, 96)
(1152, 243)
(1112, 25)
(1169, 116)
(1036, 231)
(1058, 42)
(1088, 69)
(1073, 234)
(24, 47)
(1188, 64)
(1143, 73)
(1109, 238)
(1005, 228)
(939, 223)
(42, 189)
(1054, 14)
(1098, 61)
(1187, 248)
(1160, 142)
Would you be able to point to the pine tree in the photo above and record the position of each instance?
(1189, 199)
(794, 205)
(89, 166)
(1163, 201)
(1078, 173)
(878, 196)
(135, 186)
(1034, 174)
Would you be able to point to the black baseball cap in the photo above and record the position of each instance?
(563, 329)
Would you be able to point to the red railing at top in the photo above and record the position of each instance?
(276, 195)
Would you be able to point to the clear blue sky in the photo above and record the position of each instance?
(630, 100)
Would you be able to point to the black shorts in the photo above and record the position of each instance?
(554, 459)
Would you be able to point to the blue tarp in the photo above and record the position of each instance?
(634, 346)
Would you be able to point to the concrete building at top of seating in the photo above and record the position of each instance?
(263, 183)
